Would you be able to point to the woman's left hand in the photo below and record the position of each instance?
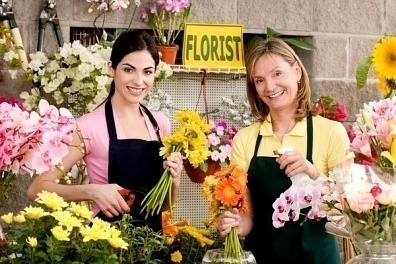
(175, 164)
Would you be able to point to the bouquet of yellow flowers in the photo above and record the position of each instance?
(226, 190)
(190, 140)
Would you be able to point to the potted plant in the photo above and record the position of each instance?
(166, 19)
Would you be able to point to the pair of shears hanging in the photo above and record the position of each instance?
(49, 15)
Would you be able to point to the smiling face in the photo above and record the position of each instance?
(134, 76)
(276, 82)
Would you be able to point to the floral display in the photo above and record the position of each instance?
(190, 140)
(220, 140)
(326, 107)
(158, 100)
(54, 231)
(33, 142)
(187, 243)
(166, 18)
(382, 59)
(75, 70)
(225, 190)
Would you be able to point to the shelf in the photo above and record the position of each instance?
(197, 69)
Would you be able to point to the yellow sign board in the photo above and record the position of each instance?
(213, 46)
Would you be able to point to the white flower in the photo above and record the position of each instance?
(235, 108)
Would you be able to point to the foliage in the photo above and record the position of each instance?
(297, 42)
(225, 190)
(8, 48)
(382, 59)
(189, 139)
(166, 18)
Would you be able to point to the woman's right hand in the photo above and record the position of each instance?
(227, 220)
(109, 200)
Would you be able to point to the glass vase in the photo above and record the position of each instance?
(220, 256)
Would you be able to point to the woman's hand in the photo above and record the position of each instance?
(295, 163)
(227, 220)
(109, 200)
(175, 164)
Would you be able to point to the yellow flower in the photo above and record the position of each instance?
(52, 200)
(60, 233)
(32, 241)
(117, 242)
(199, 234)
(8, 218)
(66, 219)
(391, 155)
(95, 232)
(20, 218)
(81, 210)
(384, 57)
(34, 212)
(176, 257)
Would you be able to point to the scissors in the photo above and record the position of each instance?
(49, 15)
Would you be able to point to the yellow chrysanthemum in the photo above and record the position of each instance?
(66, 219)
(384, 57)
(20, 218)
(94, 232)
(60, 233)
(117, 242)
(81, 210)
(176, 257)
(51, 200)
(8, 218)
(198, 234)
(383, 86)
(34, 212)
(32, 241)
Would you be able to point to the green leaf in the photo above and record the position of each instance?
(272, 33)
(300, 43)
(362, 72)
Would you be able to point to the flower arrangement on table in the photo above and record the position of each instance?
(33, 142)
(73, 70)
(54, 231)
(225, 190)
(166, 19)
(382, 59)
(361, 195)
(190, 140)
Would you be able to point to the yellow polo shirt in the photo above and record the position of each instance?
(330, 142)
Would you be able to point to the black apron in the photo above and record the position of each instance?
(134, 164)
(292, 243)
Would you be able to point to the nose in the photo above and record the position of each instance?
(137, 78)
(269, 85)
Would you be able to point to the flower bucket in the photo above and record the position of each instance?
(168, 53)
(220, 256)
(197, 175)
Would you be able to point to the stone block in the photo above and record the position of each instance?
(215, 12)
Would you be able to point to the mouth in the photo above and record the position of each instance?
(276, 95)
(134, 90)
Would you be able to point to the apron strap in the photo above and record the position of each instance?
(309, 140)
(111, 124)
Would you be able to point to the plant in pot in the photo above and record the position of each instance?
(167, 20)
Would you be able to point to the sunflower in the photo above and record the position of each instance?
(384, 57)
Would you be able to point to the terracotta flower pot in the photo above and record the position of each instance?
(168, 53)
(197, 175)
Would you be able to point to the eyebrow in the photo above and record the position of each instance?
(133, 67)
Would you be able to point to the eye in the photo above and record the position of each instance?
(128, 69)
(278, 73)
(149, 72)
(257, 81)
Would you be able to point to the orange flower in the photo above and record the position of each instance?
(226, 193)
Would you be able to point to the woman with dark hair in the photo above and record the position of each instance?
(279, 92)
(121, 139)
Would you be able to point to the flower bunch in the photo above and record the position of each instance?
(166, 18)
(75, 70)
(226, 190)
(187, 243)
(54, 231)
(382, 58)
(326, 107)
(374, 139)
(190, 140)
(235, 108)
(219, 141)
(158, 100)
(33, 142)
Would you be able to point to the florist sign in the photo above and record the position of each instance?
(213, 45)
